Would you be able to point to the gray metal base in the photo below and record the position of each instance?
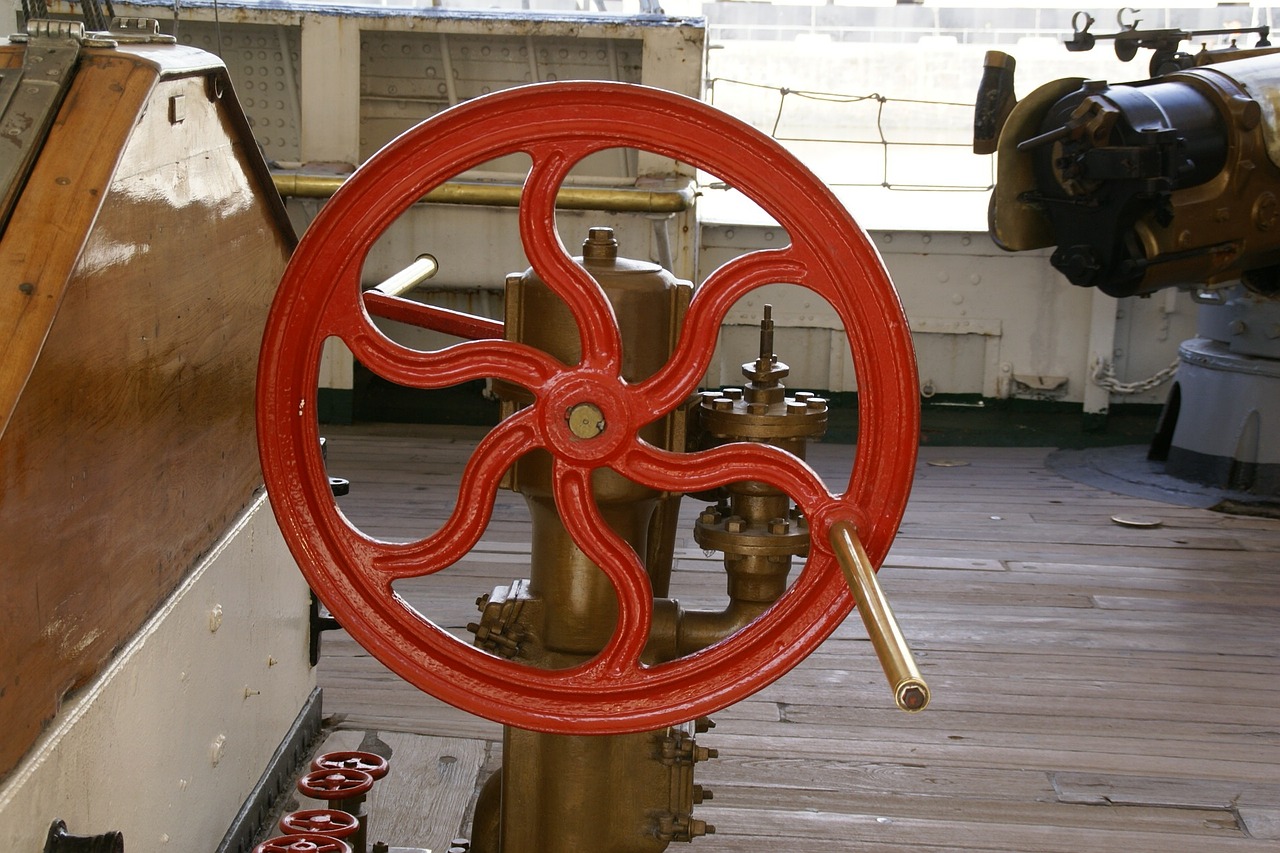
(1228, 419)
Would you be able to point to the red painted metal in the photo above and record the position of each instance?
(307, 843)
(556, 125)
(372, 763)
(445, 320)
(335, 783)
(330, 822)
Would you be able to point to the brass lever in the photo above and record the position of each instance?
(909, 690)
(423, 268)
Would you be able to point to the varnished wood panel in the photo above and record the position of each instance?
(1096, 688)
(152, 248)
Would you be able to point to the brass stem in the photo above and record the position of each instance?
(909, 690)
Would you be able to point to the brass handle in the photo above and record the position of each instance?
(400, 283)
(909, 690)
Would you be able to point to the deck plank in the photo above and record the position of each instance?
(1096, 687)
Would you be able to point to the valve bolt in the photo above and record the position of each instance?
(585, 420)
(735, 524)
(779, 527)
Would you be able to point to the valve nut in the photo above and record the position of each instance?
(330, 822)
(339, 783)
(373, 764)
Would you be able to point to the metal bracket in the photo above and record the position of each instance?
(319, 620)
(500, 629)
(60, 841)
(30, 98)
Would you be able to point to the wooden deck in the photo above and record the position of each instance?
(1096, 687)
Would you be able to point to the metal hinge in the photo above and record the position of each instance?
(29, 100)
(138, 31)
(30, 96)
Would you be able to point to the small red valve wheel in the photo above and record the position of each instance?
(329, 822)
(555, 126)
(372, 763)
(336, 783)
(309, 843)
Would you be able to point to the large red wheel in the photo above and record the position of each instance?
(557, 125)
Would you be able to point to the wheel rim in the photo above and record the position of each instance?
(557, 125)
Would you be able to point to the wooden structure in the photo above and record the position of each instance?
(135, 274)
(1096, 687)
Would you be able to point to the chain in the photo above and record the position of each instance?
(1104, 376)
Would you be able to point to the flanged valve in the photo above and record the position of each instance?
(330, 822)
(372, 763)
(307, 843)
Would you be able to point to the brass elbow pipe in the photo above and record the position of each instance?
(697, 629)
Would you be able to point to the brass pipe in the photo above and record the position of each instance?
(400, 283)
(909, 690)
(609, 199)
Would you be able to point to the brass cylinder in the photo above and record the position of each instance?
(616, 793)
(909, 690)
(649, 303)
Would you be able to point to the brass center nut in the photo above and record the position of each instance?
(586, 420)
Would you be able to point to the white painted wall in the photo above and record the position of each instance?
(981, 317)
(167, 743)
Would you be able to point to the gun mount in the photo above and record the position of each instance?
(1173, 181)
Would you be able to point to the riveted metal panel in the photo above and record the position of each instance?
(262, 60)
(406, 77)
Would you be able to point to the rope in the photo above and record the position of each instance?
(96, 19)
(882, 139)
(35, 10)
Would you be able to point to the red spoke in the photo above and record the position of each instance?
(448, 321)
(508, 441)
(465, 362)
(728, 463)
(597, 326)
(679, 377)
(616, 559)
